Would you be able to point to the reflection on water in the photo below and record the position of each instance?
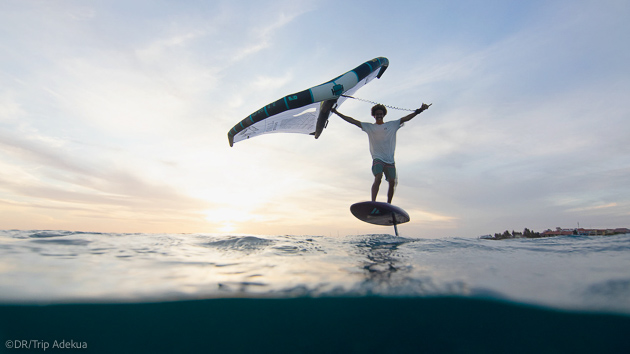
(388, 271)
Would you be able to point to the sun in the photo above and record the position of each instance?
(229, 218)
(227, 227)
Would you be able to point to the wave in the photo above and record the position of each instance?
(246, 244)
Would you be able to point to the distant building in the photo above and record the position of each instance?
(549, 233)
(591, 232)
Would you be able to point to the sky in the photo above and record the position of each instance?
(114, 115)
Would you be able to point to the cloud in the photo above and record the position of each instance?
(44, 172)
(593, 207)
(261, 33)
(10, 109)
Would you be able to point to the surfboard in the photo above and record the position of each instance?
(380, 213)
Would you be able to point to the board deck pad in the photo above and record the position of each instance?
(379, 213)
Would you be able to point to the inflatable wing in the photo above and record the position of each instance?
(307, 111)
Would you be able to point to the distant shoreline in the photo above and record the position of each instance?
(527, 233)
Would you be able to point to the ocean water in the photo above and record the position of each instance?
(106, 292)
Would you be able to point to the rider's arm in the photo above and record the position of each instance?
(415, 113)
(346, 118)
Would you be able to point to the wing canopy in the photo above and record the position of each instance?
(306, 112)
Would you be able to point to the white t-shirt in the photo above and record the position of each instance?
(382, 139)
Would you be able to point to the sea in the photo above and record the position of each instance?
(68, 291)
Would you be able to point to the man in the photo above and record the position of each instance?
(382, 137)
